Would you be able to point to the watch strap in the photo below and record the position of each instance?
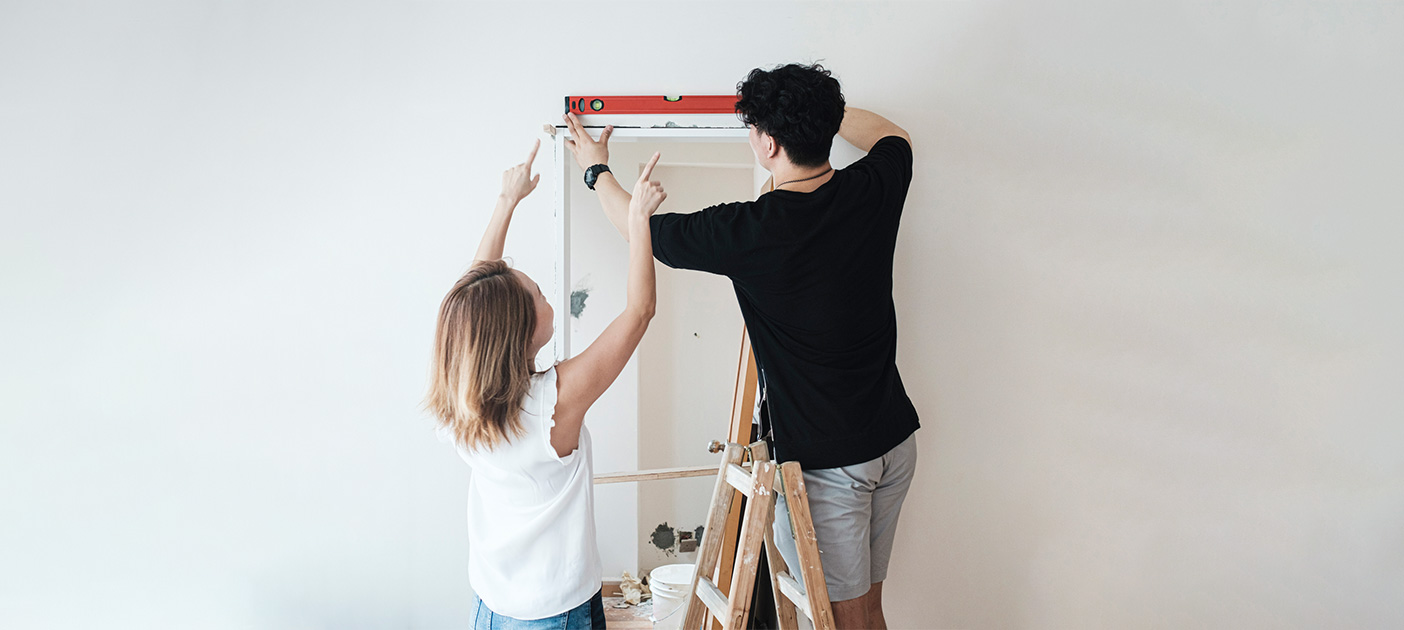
(593, 173)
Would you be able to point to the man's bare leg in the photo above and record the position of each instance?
(874, 597)
(852, 614)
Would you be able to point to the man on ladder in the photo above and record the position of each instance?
(811, 262)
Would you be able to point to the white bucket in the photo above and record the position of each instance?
(670, 585)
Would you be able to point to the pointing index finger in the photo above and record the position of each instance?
(648, 169)
(532, 158)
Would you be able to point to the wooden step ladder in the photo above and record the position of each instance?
(748, 470)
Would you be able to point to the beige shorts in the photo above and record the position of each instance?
(855, 512)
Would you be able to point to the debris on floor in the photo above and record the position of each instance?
(634, 591)
(621, 616)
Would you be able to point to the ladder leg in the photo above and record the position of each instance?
(784, 608)
(807, 546)
(711, 547)
(759, 510)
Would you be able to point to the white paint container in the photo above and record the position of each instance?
(669, 584)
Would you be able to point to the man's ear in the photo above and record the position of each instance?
(772, 148)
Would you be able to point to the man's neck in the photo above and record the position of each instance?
(800, 178)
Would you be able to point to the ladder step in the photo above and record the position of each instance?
(740, 479)
(760, 482)
(791, 589)
(712, 597)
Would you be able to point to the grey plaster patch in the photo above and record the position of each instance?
(577, 302)
(663, 537)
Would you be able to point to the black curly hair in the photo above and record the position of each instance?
(800, 106)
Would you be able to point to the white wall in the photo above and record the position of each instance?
(1147, 292)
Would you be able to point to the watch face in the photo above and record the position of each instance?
(593, 173)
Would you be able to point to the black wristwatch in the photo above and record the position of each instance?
(593, 173)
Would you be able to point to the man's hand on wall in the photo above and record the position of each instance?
(587, 151)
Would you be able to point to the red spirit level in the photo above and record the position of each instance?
(651, 104)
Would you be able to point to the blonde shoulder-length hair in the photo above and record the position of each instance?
(481, 371)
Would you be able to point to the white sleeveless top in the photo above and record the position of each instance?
(531, 517)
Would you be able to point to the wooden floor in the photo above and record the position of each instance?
(631, 618)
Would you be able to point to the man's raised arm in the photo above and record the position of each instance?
(862, 128)
(589, 152)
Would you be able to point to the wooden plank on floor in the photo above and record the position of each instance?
(656, 474)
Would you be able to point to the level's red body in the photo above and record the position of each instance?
(651, 104)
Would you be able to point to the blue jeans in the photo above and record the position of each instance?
(587, 616)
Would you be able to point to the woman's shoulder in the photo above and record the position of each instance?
(543, 384)
(536, 418)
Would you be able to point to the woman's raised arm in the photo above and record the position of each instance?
(517, 183)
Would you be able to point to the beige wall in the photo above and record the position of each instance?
(687, 386)
(675, 395)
